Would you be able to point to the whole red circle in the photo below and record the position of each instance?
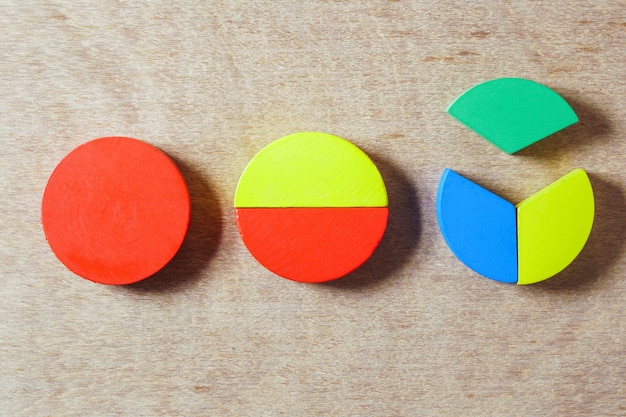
(115, 210)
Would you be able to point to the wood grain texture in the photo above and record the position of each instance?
(413, 332)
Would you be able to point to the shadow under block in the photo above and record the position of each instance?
(311, 207)
(512, 113)
(524, 244)
(115, 210)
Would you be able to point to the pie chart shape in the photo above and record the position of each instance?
(553, 226)
(521, 244)
(479, 227)
(311, 207)
(512, 113)
(115, 210)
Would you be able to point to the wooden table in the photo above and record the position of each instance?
(413, 332)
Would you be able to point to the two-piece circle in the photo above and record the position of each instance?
(311, 207)
(115, 210)
(517, 244)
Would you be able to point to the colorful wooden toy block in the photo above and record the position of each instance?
(311, 207)
(512, 113)
(553, 226)
(479, 227)
(525, 244)
(115, 210)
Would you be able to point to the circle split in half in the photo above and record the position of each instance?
(115, 210)
(311, 207)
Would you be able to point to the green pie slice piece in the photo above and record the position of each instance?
(512, 113)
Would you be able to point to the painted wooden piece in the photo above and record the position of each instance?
(115, 210)
(525, 244)
(311, 207)
(553, 226)
(311, 169)
(512, 113)
(478, 226)
(312, 244)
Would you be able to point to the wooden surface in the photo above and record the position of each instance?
(411, 333)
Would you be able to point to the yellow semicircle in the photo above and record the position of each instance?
(553, 227)
(311, 169)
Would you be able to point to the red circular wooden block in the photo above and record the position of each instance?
(115, 210)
